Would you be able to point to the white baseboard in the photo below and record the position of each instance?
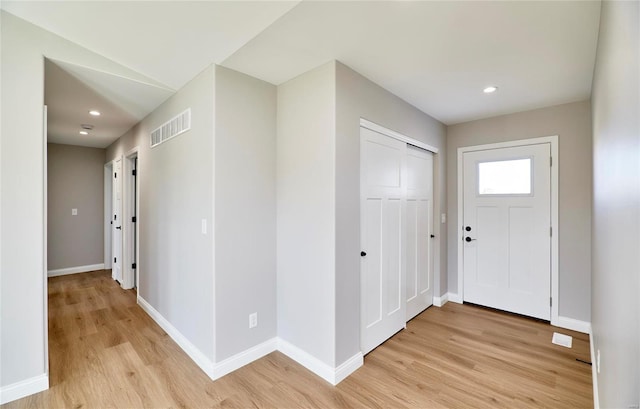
(24, 388)
(326, 372)
(453, 297)
(348, 367)
(220, 369)
(75, 270)
(194, 353)
(594, 371)
(245, 357)
(574, 325)
(440, 301)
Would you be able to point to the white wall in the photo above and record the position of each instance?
(306, 212)
(175, 179)
(22, 147)
(245, 211)
(572, 123)
(357, 97)
(615, 307)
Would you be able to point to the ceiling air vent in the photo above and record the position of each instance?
(174, 127)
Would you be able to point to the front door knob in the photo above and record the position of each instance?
(468, 239)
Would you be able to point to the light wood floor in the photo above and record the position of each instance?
(106, 352)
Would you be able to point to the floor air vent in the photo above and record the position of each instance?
(172, 128)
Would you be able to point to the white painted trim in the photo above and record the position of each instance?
(108, 204)
(245, 357)
(456, 298)
(128, 273)
(45, 238)
(75, 270)
(594, 370)
(326, 372)
(348, 367)
(553, 141)
(396, 135)
(573, 324)
(194, 353)
(24, 388)
(440, 301)
(307, 360)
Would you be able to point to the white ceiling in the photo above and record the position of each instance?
(71, 91)
(436, 55)
(439, 56)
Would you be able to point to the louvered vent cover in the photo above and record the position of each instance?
(172, 128)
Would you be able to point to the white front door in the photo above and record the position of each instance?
(419, 230)
(383, 206)
(116, 237)
(507, 229)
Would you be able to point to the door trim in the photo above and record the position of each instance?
(396, 135)
(108, 205)
(553, 141)
(128, 226)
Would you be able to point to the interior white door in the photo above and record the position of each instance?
(116, 237)
(383, 207)
(507, 229)
(419, 230)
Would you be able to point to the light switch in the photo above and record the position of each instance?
(74, 212)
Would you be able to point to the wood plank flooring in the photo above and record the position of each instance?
(106, 352)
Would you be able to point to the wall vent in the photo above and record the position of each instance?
(172, 128)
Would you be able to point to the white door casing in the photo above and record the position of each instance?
(419, 237)
(383, 221)
(507, 234)
(116, 237)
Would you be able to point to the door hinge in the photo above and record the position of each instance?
(133, 266)
(133, 219)
(114, 259)
(550, 302)
(133, 172)
(550, 231)
(115, 175)
(550, 160)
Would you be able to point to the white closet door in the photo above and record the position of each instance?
(383, 227)
(419, 230)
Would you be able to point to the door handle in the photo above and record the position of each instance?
(119, 227)
(433, 236)
(468, 239)
(363, 253)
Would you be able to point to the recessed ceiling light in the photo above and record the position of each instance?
(490, 89)
(84, 133)
(94, 112)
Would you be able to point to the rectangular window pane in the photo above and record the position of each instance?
(508, 177)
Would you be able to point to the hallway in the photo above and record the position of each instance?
(106, 352)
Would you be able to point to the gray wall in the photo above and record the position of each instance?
(615, 309)
(245, 211)
(306, 212)
(176, 192)
(22, 149)
(75, 180)
(572, 124)
(357, 97)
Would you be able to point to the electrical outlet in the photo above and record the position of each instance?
(253, 320)
(74, 212)
(598, 361)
